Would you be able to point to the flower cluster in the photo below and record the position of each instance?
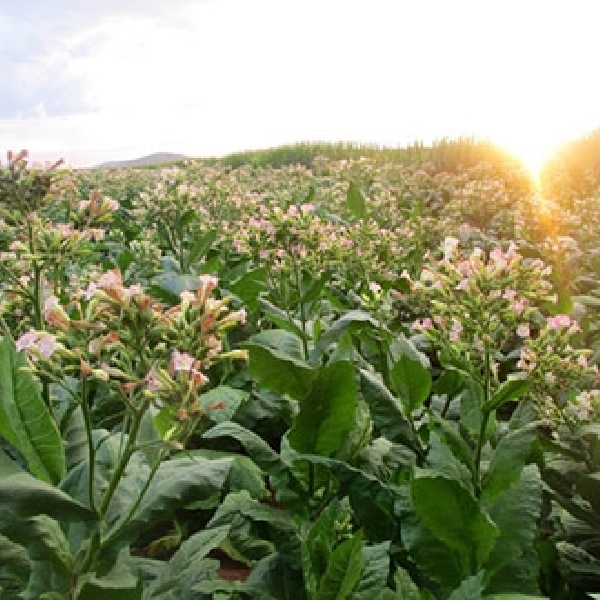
(143, 351)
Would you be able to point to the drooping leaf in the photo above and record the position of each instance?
(26, 496)
(25, 420)
(412, 383)
(119, 585)
(177, 483)
(327, 412)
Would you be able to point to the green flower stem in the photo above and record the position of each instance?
(484, 422)
(87, 419)
(128, 451)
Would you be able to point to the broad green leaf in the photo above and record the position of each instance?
(273, 578)
(508, 459)
(387, 411)
(202, 244)
(343, 571)
(173, 284)
(471, 407)
(14, 565)
(359, 435)
(25, 421)
(281, 319)
(120, 585)
(248, 287)
(516, 513)
(321, 541)
(412, 383)
(449, 432)
(182, 570)
(441, 460)
(221, 402)
(383, 459)
(278, 370)
(375, 573)
(510, 390)
(177, 483)
(257, 528)
(258, 450)
(470, 589)
(26, 496)
(286, 343)
(449, 383)
(327, 412)
(372, 500)
(453, 515)
(351, 322)
(355, 201)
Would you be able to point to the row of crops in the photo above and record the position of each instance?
(342, 378)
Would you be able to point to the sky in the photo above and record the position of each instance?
(97, 80)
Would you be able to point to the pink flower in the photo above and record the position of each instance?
(519, 306)
(523, 330)
(47, 345)
(558, 322)
(456, 329)
(27, 340)
(181, 361)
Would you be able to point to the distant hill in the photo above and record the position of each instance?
(158, 158)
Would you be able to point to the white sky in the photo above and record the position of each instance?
(210, 77)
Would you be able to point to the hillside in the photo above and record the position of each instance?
(151, 159)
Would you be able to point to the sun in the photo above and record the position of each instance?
(533, 153)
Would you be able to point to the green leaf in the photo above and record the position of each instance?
(453, 515)
(471, 407)
(120, 585)
(327, 412)
(441, 460)
(375, 573)
(202, 244)
(181, 572)
(387, 411)
(449, 432)
(230, 399)
(351, 322)
(174, 284)
(321, 541)
(279, 371)
(26, 496)
(470, 588)
(508, 459)
(281, 319)
(355, 201)
(15, 562)
(25, 420)
(343, 571)
(516, 513)
(288, 344)
(249, 287)
(412, 383)
(512, 389)
(177, 483)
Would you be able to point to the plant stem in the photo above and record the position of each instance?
(123, 462)
(484, 422)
